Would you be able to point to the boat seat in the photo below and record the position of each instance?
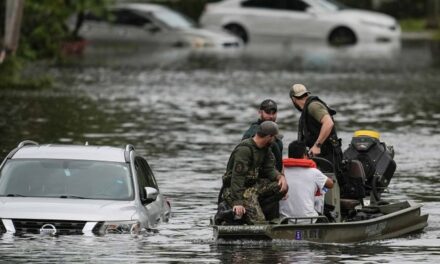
(356, 170)
(349, 204)
(323, 165)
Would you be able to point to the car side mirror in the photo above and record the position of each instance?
(151, 194)
(152, 28)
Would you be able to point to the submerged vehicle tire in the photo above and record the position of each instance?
(342, 36)
(237, 30)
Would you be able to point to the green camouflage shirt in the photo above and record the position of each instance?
(247, 165)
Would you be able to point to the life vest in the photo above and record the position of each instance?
(306, 163)
(309, 128)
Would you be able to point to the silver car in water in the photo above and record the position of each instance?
(75, 189)
(152, 25)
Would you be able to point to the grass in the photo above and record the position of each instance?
(413, 25)
(418, 25)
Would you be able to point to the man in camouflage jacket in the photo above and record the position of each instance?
(251, 175)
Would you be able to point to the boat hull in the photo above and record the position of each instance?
(398, 219)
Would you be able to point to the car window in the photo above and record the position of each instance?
(92, 17)
(120, 16)
(127, 17)
(173, 19)
(293, 5)
(272, 4)
(145, 174)
(66, 179)
(296, 5)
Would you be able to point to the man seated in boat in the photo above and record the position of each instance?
(268, 112)
(304, 181)
(250, 177)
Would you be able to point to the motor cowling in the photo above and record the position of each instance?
(376, 158)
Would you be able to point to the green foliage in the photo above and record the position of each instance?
(437, 35)
(412, 25)
(44, 29)
(44, 25)
(406, 8)
(400, 9)
(11, 76)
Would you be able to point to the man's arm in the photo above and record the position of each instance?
(272, 173)
(240, 170)
(326, 129)
(322, 180)
(329, 183)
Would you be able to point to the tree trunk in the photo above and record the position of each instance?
(14, 14)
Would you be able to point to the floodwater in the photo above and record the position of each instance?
(185, 112)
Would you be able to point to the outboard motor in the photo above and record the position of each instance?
(376, 158)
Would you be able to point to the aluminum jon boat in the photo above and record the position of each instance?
(349, 217)
(397, 219)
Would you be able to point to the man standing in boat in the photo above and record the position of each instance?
(268, 112)
(316, 126)
(251, 175)
(304, 181)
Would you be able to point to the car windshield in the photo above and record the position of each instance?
(76, 179)
(173, 19)
(330, 5)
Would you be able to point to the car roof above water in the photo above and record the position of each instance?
(72, 152)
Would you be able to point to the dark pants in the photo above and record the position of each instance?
(270, 207)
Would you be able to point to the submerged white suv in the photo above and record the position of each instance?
(74, 189)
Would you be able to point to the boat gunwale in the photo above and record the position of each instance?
(411, 207)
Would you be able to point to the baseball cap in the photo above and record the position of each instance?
(268, 128)
(298, 90)
(268, 105)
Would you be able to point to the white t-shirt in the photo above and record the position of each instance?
(303, 184)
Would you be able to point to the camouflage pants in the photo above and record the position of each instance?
(267, 188)
(252, 197)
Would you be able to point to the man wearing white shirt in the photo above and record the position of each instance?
(304, 181)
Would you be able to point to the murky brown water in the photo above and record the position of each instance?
(185, 112)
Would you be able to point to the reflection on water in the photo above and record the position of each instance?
(186, 110)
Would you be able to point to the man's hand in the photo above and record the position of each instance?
(239, 210)
(326, 128)
(314, 151)
(282, 183)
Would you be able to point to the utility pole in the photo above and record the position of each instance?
(13, 16)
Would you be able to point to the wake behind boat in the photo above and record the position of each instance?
(356, 215)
